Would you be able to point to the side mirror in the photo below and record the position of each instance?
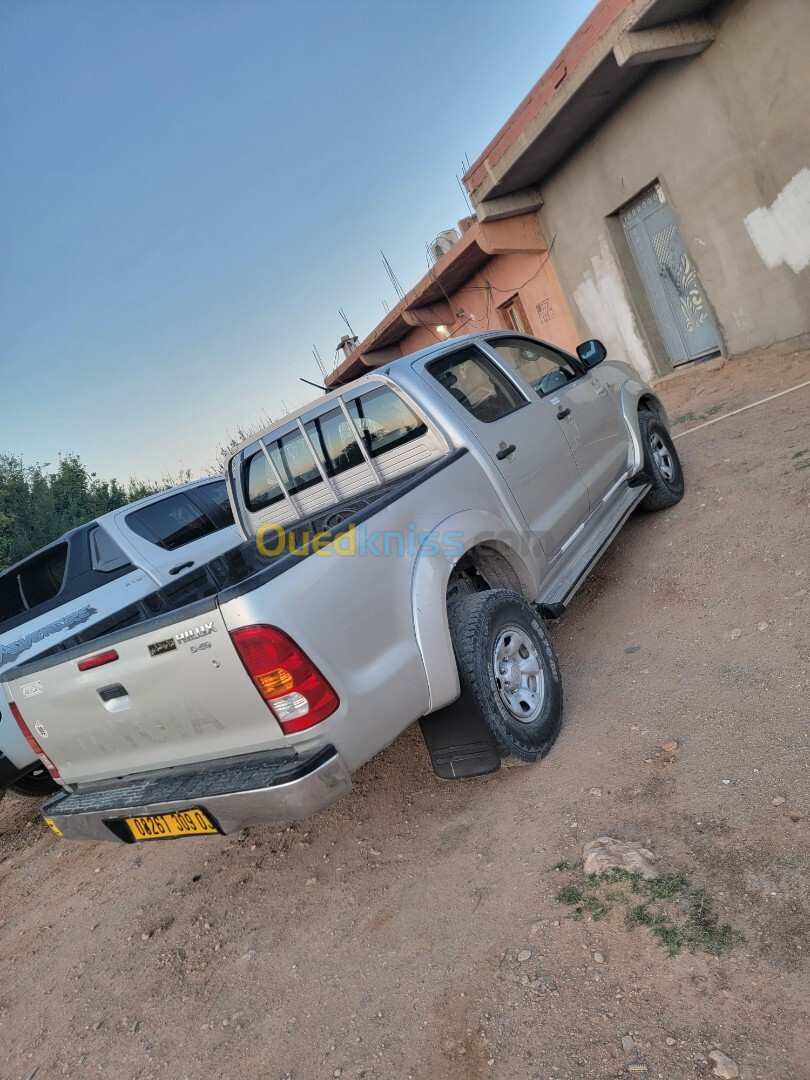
(591, 352)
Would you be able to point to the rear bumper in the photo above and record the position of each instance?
(249, 791)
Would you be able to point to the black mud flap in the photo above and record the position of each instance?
(458, 739)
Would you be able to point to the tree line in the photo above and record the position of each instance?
(38, 504)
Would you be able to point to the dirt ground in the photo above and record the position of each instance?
(382, 938)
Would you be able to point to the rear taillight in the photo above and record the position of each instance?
(293, 688)
(32, 742)
(98, 660)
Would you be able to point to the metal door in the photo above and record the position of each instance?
(670, 278)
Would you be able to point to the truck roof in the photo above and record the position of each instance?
(147, 499)
(383, 369)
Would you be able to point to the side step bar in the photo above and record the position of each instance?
(583, 559)
(641, 479)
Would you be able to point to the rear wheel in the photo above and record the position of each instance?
(510, 665)
(661, 463)
(35, 784)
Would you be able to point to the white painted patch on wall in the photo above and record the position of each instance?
(733, 285)
(604, 306)
(781, 232)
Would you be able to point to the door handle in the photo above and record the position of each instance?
(561, 415)
(505, 451)
(183, 566)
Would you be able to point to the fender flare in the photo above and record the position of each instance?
(431, 574)
(632, 392)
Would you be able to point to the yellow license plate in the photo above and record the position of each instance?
(164, 826)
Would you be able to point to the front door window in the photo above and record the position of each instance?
(543, 367)
(584, 409)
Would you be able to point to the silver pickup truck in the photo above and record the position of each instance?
(405, 537)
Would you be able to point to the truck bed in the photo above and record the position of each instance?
(166, 686)
(196, 592)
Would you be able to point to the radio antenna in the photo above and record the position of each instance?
(342, 314)
(392, 277)
(319, 362)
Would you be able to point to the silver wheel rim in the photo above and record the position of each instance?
(519, 674)
(662, 457)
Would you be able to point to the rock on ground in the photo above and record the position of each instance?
(723, 1065)
(605, 853)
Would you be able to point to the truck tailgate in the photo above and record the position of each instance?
(176, 695)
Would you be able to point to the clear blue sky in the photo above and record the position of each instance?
(190, 189)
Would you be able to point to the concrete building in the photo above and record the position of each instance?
(494, 275)
(662, 166)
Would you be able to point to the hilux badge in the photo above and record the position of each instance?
(195, 632)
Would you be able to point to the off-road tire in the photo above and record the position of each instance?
(665, 490)
(476, 625)
(35, 784)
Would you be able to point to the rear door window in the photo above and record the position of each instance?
(171, 523)
(474, 381)
(384, 421)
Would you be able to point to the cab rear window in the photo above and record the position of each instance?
(261, 487)
(335, 441)
(295, 463)
(378, 420)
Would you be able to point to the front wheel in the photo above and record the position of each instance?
(509, 663)
(661, 463)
